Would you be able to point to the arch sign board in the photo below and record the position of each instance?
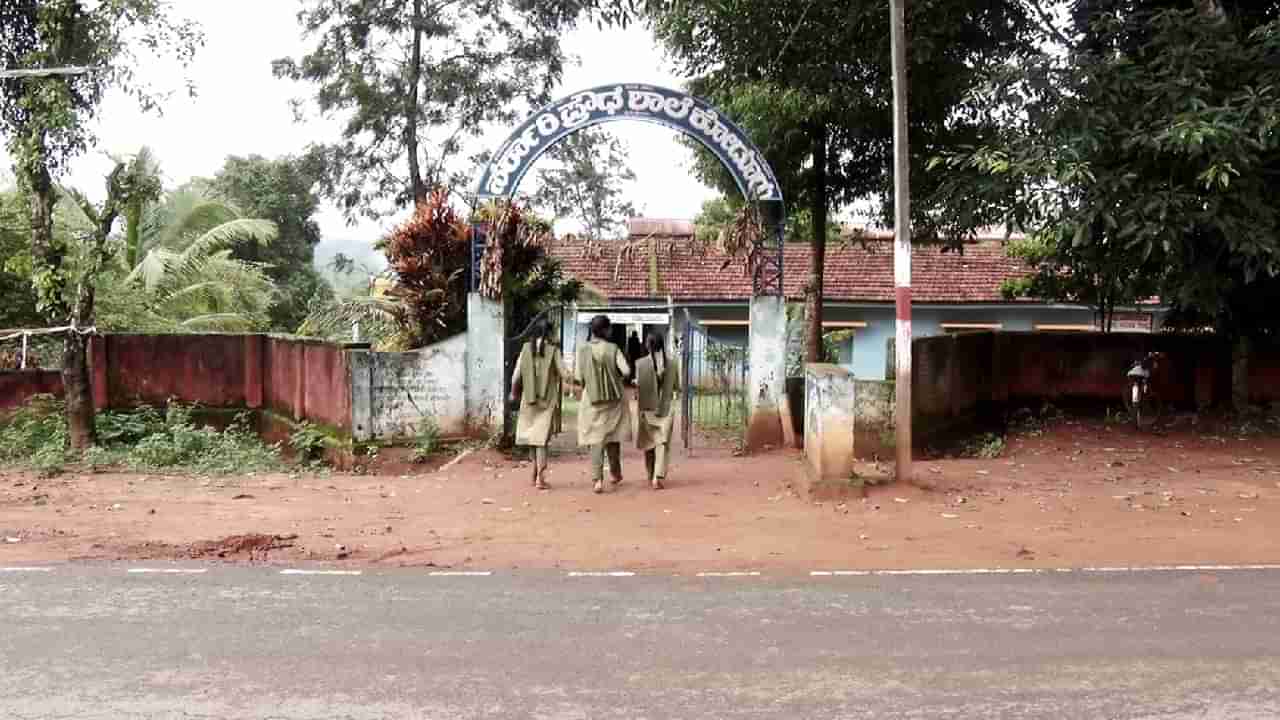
(646, 103)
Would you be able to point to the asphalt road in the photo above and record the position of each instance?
(98, 642)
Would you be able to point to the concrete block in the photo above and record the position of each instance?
(830, 412)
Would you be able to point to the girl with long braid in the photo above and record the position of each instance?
(536, 382)
(657, 381)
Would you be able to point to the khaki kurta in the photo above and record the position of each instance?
(605, 422)
(656, 411)
(537, 423)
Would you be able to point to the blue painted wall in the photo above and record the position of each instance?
(869, 346)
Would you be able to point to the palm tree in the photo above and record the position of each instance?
(144, 175)
(176, 271)
(191, 281)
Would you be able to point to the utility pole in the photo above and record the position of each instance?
(46, 72)
(901, 242)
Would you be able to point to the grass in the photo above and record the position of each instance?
(145, 439)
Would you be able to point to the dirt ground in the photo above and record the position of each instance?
(1079, 494)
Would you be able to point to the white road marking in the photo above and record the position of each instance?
(729, 574)
(25, 569)
(168, 571)
(1040, 571)
(1227, 567)
(460, 573)
(614, 573)
(320, 572)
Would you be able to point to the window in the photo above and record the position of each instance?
(952, 327)
(838, 339)
(843, 324)
(1064, 328)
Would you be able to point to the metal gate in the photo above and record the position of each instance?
(715, 404)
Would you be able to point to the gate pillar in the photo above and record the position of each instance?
(768, 372)
(485, 379)
(767, 335)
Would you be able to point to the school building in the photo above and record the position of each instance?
(660, 265)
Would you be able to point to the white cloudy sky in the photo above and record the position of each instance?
(241, 109)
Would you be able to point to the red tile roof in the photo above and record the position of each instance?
(855, 271)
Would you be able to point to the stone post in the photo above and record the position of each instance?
(486, 363)
(830, 423)
(768, 375)
(360, 377)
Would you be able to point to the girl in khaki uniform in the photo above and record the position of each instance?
(657, 381)
(537, 380)
(602, 413)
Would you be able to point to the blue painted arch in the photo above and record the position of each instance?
(673, 109)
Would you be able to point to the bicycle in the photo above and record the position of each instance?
(1140, 400)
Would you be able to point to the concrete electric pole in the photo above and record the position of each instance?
(902, 241)
(45, 72)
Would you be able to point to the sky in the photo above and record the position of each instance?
(241, 109)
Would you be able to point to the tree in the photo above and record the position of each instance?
(186, 277)
(17, 296)
(428, 256)
(281, 190)
(810, 82)
(144, 174)
(586, 183)
(45, 119)
(412, 78)
(1144, 160)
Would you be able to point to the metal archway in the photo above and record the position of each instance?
(673, 109)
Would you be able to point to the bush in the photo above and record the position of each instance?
(35, 435)
(307, 442)
(428, 441)
(142, 439)
(987, 446)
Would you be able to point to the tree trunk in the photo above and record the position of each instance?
(133, 234)
(818, 249)
(1240, 375)
(417, 186)
(76, 383)
(51, 259)
(77, 391)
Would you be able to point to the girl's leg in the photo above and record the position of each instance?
(597, 467)
(540, 467)
(660, 464)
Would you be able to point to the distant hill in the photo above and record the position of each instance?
(360, 250)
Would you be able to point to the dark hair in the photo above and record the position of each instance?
(600, 326)
(541, 331)
(653, 342)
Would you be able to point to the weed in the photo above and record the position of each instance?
(36, 435)
(427, 443)
(142, 439)
(307, 441)
(987, 446)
